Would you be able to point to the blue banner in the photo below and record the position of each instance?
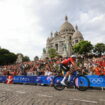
(24, 79)
(3, 78)
(95, 80)
(33, 79)
(45, 79)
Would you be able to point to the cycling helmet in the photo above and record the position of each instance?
(73, 56)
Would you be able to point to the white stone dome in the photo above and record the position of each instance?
(77, 34)
(66, 26)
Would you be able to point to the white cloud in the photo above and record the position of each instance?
(92, 26)
(19, 28)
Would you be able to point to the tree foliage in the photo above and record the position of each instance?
(52, 53)
(7, 57)
(83, 47)
(44, 51)
(36, 58)
(99, 48)
(25, 59)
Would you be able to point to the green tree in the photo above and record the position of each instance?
(36, 58)
(44, 51)
(52, 53)
(25, 59)
(4, 51)
(83, 47)
(99, 48)
(7, 57)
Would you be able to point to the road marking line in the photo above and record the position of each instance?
(101, 99)
(43, 95)
(89, 101)
(21, 92)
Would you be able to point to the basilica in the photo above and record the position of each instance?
(64, 40)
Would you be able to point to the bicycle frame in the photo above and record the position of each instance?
(73, 76)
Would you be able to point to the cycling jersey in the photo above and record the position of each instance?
(68, 61)
(65, 64)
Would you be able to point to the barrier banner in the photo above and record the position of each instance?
(96, 81)
(33, 79)
(25, 79)
(3, 78)
(45, 79)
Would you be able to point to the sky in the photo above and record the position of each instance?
(26, 24)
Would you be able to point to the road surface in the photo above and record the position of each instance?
(19, 94)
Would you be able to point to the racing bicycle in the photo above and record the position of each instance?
(80, 82)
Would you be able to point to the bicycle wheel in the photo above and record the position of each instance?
(82, 83)
(57, 83)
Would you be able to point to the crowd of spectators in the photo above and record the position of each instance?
(47, 67)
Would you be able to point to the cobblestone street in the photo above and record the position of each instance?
(16, 94)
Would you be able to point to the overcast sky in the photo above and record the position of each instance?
(26, 24)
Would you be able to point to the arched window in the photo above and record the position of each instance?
(70, 37)
(56, 46)
(76, 41)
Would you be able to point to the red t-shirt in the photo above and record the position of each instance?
(67, 61)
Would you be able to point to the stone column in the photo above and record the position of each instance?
(69, 47)
(59, 47)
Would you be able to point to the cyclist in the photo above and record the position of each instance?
(66, 64)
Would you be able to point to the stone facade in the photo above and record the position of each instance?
(64, 40)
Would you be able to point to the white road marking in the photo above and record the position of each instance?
(102, 99)
(43, 95)
(21, 92)
(89, 101)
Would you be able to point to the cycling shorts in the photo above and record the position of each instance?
(64, 67)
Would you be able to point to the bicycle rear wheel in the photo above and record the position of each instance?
(82, 83)
(57, 83)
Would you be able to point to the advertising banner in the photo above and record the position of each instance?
(3, 78)
(33, 79)
(95, 80)
(25, 79)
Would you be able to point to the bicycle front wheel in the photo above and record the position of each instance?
(57, 83)
(82, 83)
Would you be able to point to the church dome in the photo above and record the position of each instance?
(77, 34)
(66, 26)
